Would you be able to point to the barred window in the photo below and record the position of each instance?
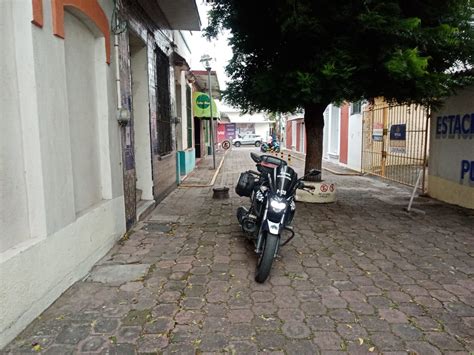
(163, 102)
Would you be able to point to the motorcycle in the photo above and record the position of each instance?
(273, 146)
(272, 191)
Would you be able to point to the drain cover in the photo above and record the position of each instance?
(157, 227)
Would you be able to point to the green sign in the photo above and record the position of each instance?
(202, 101)
(201, 106)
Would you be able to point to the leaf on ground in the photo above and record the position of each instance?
(230, 349)
(37, 347)
(372, 349)
(361, 341)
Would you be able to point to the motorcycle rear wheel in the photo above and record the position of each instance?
(265, 261)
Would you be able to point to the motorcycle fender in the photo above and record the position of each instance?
(273, 228)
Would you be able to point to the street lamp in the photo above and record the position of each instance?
(205, 60)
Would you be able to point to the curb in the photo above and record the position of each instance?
(214, 177)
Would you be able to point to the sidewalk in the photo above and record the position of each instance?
(203, 172)
(361, 276)
(334, 168)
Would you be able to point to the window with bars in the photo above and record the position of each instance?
(163, 102)
(189, 117)
(356, 107)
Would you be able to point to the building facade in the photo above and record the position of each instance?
(61, 189)
(153, 55)
(71, 175)
(342, 134)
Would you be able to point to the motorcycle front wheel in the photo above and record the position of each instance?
(265, 261)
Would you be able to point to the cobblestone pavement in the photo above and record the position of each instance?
(361, 276)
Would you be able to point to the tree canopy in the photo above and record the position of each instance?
(292, 53)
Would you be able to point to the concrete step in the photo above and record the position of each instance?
(138, 195)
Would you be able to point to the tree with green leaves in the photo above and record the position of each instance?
(290, 55)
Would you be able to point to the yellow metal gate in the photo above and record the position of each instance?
(394, 142)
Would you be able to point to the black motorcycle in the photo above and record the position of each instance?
(272, 192)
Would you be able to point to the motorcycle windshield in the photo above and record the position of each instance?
(283, 178)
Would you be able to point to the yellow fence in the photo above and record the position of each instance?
(395, 141)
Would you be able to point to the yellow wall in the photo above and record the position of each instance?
(451, 192)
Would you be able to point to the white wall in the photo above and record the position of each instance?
(354, 154)
(183, 125)
(141, 121)
(326, 132)
(294, 132)
(334, 130)
(53, 246)
(82, 106)
(14, 220)
(448, 151)
(262, 129)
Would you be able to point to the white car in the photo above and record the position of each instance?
(253, 139)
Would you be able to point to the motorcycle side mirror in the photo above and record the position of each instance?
(314, 172)
(256, 158)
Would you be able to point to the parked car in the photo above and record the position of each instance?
(253, 139)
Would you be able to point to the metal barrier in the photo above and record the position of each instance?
(395, 141)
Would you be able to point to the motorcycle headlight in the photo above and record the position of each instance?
(277, 206)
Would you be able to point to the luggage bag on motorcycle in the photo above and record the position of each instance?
(245, 184)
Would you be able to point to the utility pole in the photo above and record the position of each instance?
(205, 59)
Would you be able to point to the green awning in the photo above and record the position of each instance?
(201, 106)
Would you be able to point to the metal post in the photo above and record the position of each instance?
(414, 190)
(425, 148)
(384, 139)
(212, 120)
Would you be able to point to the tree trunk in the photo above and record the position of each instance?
(314, 125)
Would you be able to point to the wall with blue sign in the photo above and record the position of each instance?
(451, 154)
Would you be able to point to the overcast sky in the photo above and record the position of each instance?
(218, 49)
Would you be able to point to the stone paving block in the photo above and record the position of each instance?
(443, 341)
(59, 350)
(295, 330)
(422, 348)
(407, 332)
(127, 334)
(73, 334)
(214, 342)
(240, 316)
(118, 274)
(159, 325)
(385, 341)
(334, 302)
(92, 343)
(301, 347)
(393, 316)
(342, 315)
(270, 340)
(328, 340)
